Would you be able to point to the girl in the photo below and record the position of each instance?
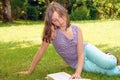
(68, 42)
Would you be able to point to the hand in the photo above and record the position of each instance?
(75, 76)
(24, 72)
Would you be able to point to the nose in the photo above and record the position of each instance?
(60, 20)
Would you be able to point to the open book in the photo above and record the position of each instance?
(61, 76)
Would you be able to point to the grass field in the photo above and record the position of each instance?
(20, 41)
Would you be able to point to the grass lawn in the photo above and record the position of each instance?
(20, 41)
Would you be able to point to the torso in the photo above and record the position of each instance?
(66, 45)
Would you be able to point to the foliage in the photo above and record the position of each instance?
(101, 9)
(40, 4)
(97, 9)
(93, 10)
(0, 10)
(80, 13)
(32, 13)
(18, 9)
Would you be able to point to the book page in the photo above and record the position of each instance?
(62, 76)
(59, 76)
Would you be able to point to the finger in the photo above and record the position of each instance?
(73, 77)
(76, 77)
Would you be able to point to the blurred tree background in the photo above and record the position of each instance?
(77, 9)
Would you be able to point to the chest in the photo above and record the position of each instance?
(69, 34)
(63, 40)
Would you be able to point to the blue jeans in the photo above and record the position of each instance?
(99, 62)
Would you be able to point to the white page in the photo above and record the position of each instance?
(61, 76)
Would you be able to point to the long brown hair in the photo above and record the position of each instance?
(54, 6)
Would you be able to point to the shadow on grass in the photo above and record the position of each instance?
(17, 56)
(21, 22)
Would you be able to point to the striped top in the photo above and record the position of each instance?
(67, 48)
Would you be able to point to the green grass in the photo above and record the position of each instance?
(20, 41)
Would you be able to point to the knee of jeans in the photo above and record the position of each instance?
(112, 62)
(109, 62)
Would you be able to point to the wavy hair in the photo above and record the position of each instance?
(54, 6)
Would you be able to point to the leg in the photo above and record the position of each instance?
(92, 67)
(99, 58)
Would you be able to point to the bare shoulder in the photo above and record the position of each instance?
(79, 29)
(80, 35)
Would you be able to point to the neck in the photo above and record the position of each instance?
(63, 28)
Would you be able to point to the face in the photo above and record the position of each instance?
(58, 20)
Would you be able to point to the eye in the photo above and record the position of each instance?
(60, 16)
(53, 21)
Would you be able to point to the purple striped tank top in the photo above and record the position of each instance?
(67, 48)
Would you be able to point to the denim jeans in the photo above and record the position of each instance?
(99, 62)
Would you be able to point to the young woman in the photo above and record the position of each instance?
(68, 42)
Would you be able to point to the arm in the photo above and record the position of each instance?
(36, 58)
(80, 55)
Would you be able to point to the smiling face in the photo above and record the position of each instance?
(55, 15)
(58, 20)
